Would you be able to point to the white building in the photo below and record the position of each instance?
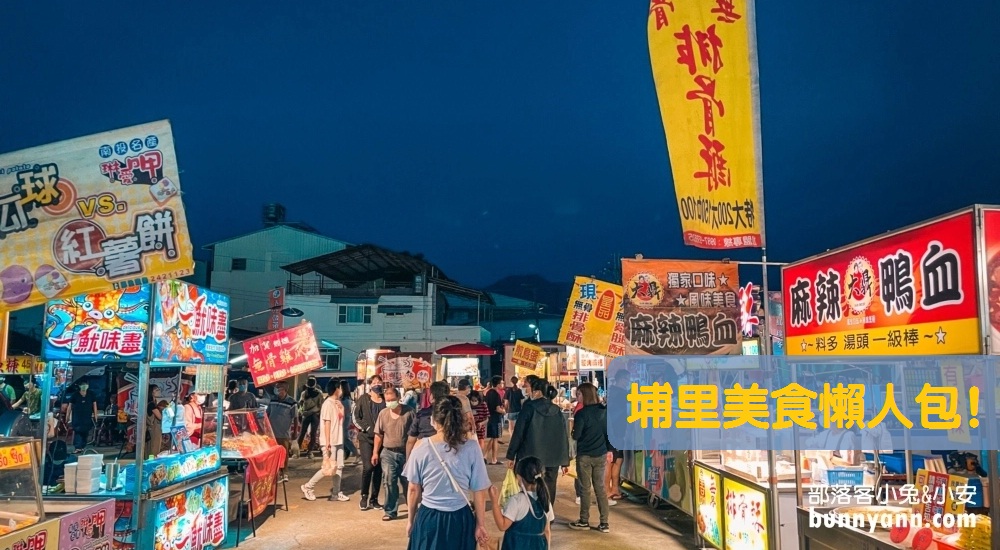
(248, 267)
(366, 297)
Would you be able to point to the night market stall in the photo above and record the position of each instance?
(175, 493)
(926, 290)
(248, 441)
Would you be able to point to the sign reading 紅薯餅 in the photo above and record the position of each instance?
(190, 325)
(91, 214)
(594, 320)
(681, 307)
(98, 326)
(279, 355)
(912, 292)
(705, 73)
(527, 356)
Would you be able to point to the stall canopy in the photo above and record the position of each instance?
(466, 349)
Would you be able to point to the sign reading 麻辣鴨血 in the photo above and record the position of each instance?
(681, 307)
(912, 292)
(705, 72)
(91, 214)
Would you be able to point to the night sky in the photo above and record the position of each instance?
(513, 137)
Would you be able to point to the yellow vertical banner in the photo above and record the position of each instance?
(594, 321)
(705, 69)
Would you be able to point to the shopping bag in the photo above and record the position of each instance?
(327, 465)
(572, 468)
(510, 488)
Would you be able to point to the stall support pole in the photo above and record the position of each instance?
(140, 444)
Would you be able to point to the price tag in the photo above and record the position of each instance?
(15, 456)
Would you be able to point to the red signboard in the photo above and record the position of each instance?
(283, 354)
(276, 301)
(912, 292)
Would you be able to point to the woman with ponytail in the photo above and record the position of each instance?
(527, 516)
(441, 470)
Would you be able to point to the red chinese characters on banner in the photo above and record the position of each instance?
(38, 541)
(526, 355)
(912, 292)
(659, 8)
(207, 320)
(92, 340)
(279, 355)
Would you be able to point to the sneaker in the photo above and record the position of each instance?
(612, 503)
(387, 517)
(577, 501)
(580, 526)
(283, 479)
(340, 497)
(364, 503)
(604, 528)
(308, 493)
(375, 505)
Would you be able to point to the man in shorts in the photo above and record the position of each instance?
(495, 423)
(513, 398)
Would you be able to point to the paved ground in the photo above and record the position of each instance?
(324, 524)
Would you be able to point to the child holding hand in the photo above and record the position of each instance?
(526, 517)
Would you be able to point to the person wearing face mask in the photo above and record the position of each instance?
(193, 417)
(83, 416)
(391, 430)
(366, 414)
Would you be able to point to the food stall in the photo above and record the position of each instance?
(925, 290)
(178, 499)
(28, 522)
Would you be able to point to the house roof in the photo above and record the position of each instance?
(293, 226)
(360, 264)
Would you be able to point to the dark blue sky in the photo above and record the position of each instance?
(512, 137)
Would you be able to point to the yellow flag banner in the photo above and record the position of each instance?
(594, 320)
(526, 355)
(705, 70)
(91, 214)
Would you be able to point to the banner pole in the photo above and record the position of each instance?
(4, 334)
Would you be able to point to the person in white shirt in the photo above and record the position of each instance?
(331, 440)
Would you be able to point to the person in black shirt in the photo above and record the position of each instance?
(422, 426)
(83, 416)
(365, 414)
(512, 402)
(494, 425)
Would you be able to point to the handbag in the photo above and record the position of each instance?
(455, 485)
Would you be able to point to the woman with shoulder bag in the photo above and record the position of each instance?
(440, 469)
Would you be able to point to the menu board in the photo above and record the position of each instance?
(88, 529)
(192, 520)
(708, 505)
(745, 516)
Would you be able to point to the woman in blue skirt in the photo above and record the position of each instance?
(441, 469)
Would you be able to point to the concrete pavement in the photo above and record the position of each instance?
(336, 525)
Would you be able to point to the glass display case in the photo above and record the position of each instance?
(20, 495)
(246, 433)
(752, 464)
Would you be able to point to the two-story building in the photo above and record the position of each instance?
(367, 298)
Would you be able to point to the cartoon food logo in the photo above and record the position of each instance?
(860, 287)
(605, 309)
(645, 290)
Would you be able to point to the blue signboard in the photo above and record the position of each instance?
(190, 325)
(100, 326)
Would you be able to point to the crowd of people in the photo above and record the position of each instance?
(433, 446)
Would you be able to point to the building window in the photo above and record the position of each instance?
(238, 264)
(331, 359)
(355, 315)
